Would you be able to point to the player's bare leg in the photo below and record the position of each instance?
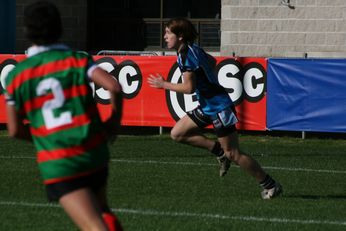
(108, 216)
(82, 206)
(186, 131)
(230, 145)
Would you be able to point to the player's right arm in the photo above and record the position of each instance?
(15, 125)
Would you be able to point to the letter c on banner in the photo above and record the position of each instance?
(254, 82)
(5, 68)
(130, 78)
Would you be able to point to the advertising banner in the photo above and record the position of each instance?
(306, 95)
(243, 78)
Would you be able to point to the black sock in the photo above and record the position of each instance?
(217, 150)
(268, 182)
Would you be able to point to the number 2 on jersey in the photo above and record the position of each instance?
(51, 121)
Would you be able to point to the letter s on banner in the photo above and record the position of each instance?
(240, 82)
(229, 74)
(127, 73)
(100, 94)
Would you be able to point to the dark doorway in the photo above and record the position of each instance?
(7, 26)
(137, 25)
(119, 25)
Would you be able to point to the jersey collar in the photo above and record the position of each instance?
(34, 50)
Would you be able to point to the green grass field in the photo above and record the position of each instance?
(156, 184)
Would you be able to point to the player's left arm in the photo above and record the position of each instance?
(15, 125)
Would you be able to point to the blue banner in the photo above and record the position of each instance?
(306, 95)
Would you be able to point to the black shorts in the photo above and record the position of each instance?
(94, 181)
(223, 126)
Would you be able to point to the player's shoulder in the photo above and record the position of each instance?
(80, 53)
(21, 66)
(188, 52)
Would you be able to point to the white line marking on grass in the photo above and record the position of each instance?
(305, 169)
(161, 162)
(197, 164)
(227, 217)
(188, 214)
(205, 164)
(28, 204)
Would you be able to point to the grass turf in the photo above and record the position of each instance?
(156, 184)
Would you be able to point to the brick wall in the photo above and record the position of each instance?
(270, 29)
(74, 20)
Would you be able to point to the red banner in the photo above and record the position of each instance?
(243, 78)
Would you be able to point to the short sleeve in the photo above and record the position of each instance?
(188, 61)
(91, 66)
(9, 97)
(191, 63)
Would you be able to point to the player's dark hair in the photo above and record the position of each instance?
(183, 27)
(42, 23)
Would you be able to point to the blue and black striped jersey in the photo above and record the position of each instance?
(212, 97)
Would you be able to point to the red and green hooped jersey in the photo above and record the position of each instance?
(51, 90)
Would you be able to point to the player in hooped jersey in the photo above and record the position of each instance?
(215, 106)
(50, 102)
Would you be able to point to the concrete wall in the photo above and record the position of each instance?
(268, 28)
(74, 20)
